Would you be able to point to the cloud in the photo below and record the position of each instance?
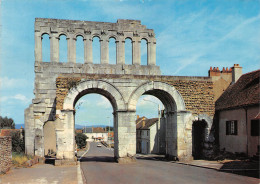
(104, 102)
(205, 36)
(14, 99)
(8, 83)
(148, 101)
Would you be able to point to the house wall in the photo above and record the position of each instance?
(153, 133)
(253, 141)
(95, 135)
(238, 143)
(145, 139)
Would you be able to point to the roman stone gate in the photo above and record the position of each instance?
(59, 85)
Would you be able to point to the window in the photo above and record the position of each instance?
(255, 127)
(147, 132)
(231, 127)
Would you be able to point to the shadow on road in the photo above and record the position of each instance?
(98, 159)
(242, 167)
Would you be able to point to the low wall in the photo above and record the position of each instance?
(5, 153)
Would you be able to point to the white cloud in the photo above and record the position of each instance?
(104, 102)
(7, 83)
(14, 99)
(146, 101)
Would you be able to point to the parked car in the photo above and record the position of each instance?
(99, 145)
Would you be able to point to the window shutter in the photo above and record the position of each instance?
(227, 128)
(235, 127)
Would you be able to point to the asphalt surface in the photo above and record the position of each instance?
(98, 167)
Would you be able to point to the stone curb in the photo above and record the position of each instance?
(84, 179)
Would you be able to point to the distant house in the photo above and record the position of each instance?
(147, 135)
(96, 134)
(79, 131)
(237, 110)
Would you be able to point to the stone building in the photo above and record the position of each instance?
(59, 85)
(97, 134)
(237, 111)
(147, 136)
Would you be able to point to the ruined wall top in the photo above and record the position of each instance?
(122, 28)
(120, 31)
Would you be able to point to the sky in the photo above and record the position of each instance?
(191, 37)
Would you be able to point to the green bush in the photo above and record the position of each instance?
(18, 142)
(81, 140)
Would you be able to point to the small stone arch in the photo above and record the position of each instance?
(128, 37)
(176, 104)
(145, 38)
(79, 34)
(94, 86)
(113, 36)
(96, 35)
(63, 33)
(45, 33)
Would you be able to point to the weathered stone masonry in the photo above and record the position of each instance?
(59, 85)
(5, 153)
(196, 91)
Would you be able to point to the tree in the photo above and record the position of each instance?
(109, 128)
(7, 122)
(81, 140)
(18, 141)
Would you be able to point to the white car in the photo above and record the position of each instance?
(99, 145)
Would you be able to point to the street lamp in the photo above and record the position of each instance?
(158, 127)
(108, 131)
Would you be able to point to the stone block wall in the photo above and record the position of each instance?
(197, 92)
(5, 153)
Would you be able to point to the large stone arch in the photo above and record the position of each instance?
(173, 101)
(65, 134)
(94, 86)
(178, 131)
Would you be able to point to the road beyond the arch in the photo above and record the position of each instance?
(98, 166)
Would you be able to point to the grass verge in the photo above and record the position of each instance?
(20, 159)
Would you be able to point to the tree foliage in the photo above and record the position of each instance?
(109, 128)
(18, 141)
(81, 140)
(7, 122)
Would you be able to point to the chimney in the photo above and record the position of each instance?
(137, 117)
(143, 123)
(236, 73)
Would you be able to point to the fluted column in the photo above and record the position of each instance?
(120, 52)
(151, 53)
(54, 46)
(104, 51)
(136, 52)
(71, 50)
(38, 47)
(88, 50)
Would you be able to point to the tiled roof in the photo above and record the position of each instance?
(98, 130)
(148, 123)
(8, 132)
(243, 93)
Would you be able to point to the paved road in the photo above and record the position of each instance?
(99, 167)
